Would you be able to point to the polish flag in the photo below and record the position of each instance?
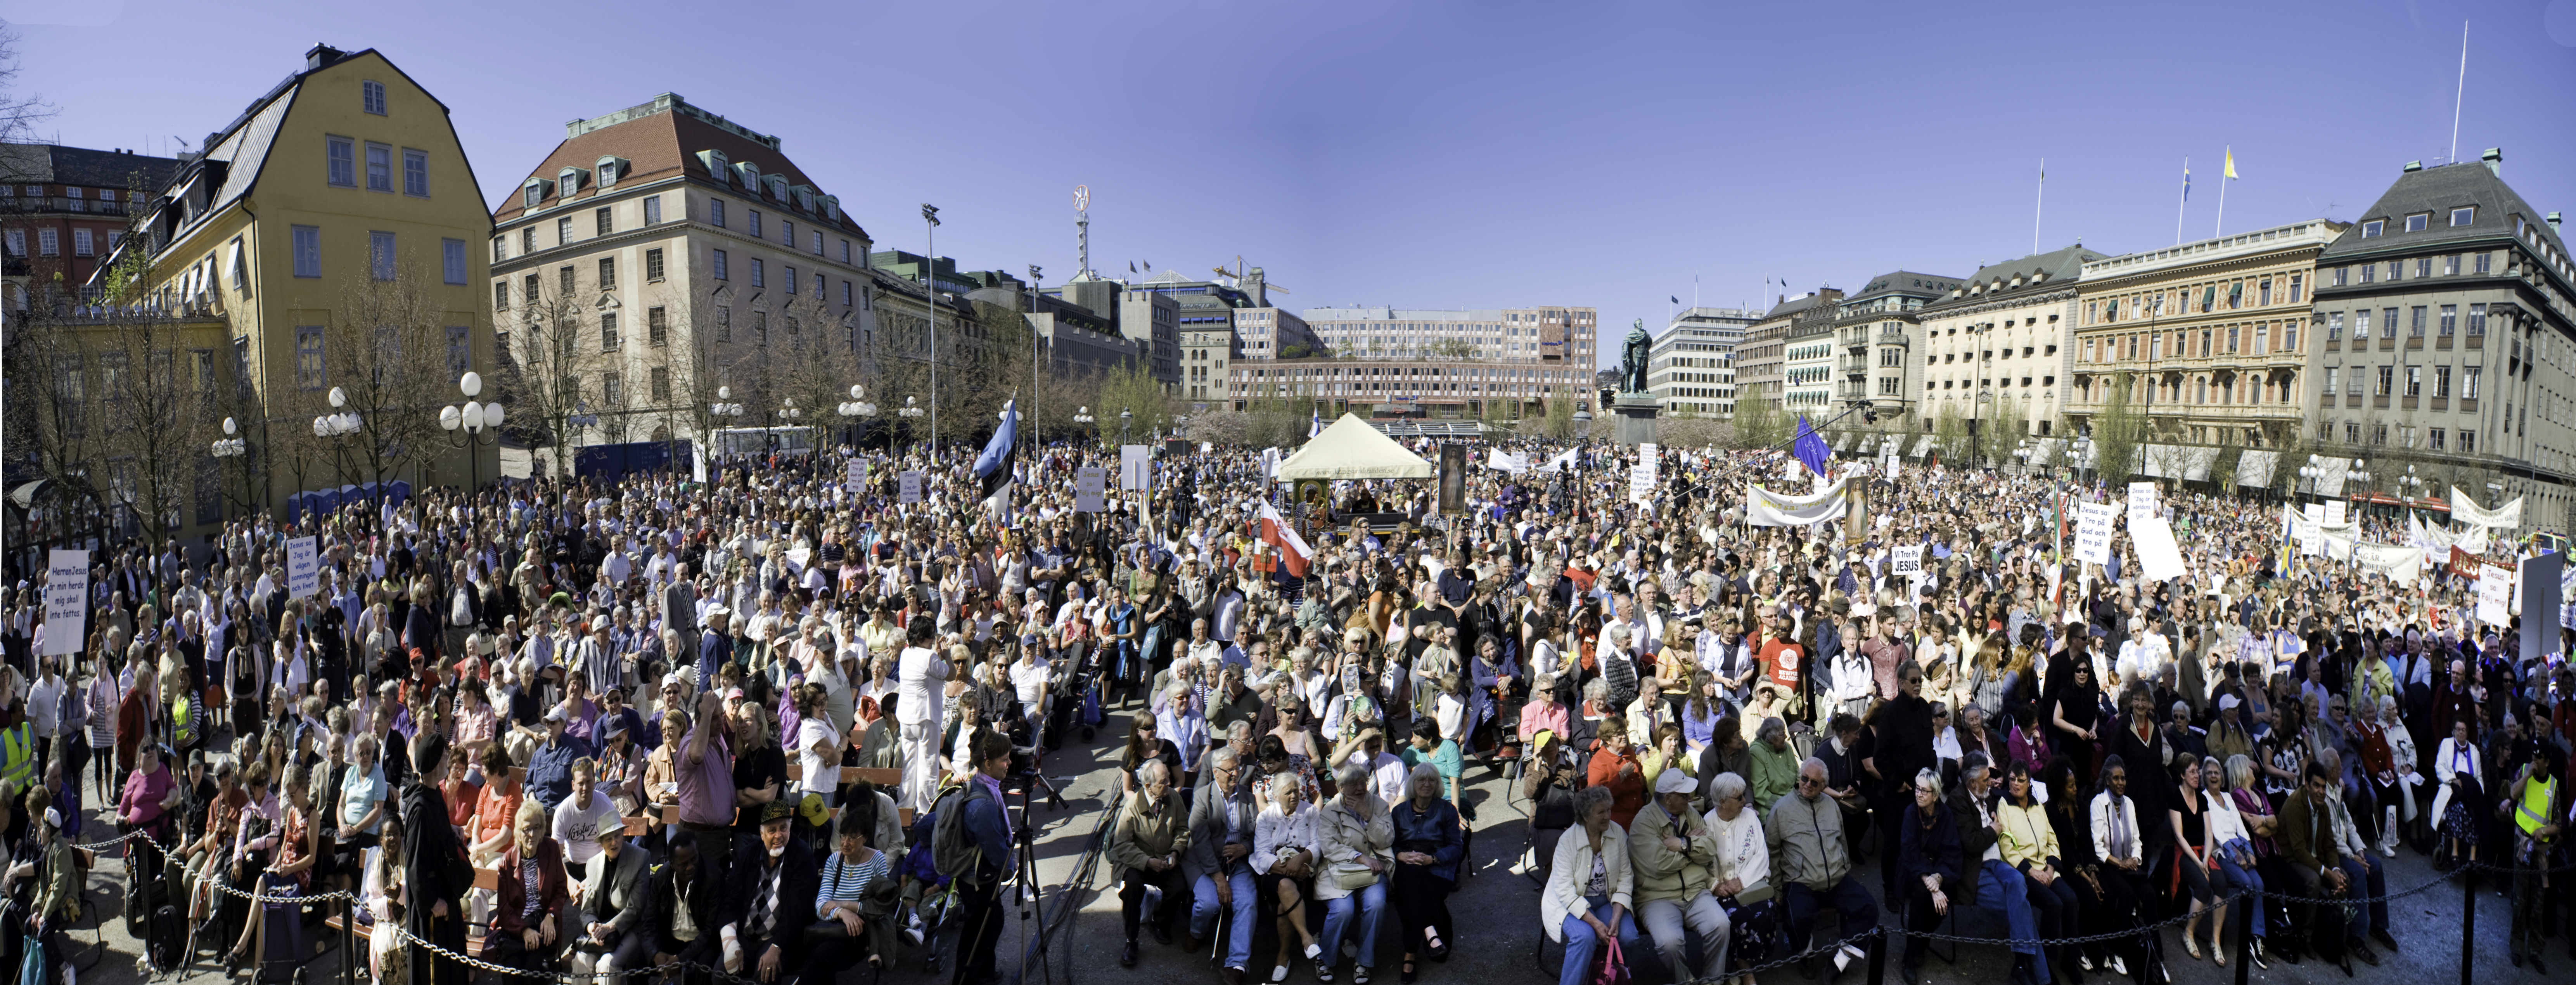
(1276, 532)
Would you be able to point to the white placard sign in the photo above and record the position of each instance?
(858, 474)
(2093, 532)
(2158, 555)
(66, 602)
(303, 567)
(2335, 512)
(1641, 482)
(1136, 468)
(1087, 487)
(2142, 502)
(1905, 560)
(908, 486)
(2495, 594)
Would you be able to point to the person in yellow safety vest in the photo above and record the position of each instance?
(2537, 816)
(183, 722)
(18, 756)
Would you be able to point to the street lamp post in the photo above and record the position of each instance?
(336, 428)
(724, 409)
(910, 412)
(930, 291)
(2311, 472)
(1082, 416)
(467, 426)
(232, 447)
(1126, 420)
(857, 410)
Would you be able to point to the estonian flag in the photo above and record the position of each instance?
(993, 467)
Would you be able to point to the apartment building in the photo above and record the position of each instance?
(1999, 346)
(1874, 334)
(1557, 336)
(62, 209)
(1438, 388)
(1691, 369)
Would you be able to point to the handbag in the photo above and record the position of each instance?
(1760, 892)
(1614, 966)
(826, 930)
(1353, 879)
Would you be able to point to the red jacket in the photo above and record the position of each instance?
(553, 895)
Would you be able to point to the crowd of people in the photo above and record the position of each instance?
(776, 723)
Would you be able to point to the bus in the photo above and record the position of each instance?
(734, 442)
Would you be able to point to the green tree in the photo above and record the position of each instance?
(2118, 430)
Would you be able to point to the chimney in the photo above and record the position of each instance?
(320, 55)
(2412, 167)
(2553, 220)
(2495, 161)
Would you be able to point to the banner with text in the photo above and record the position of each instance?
(908, 486)
(303, 567)
(1087, 489)
(1764, 508)
(2093, 532)
(2142, 502)
(2466, 510)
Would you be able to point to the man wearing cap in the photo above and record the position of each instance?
(615, 909)
(715, 647)
(550, 765)
(1673, 854)
(762, 924)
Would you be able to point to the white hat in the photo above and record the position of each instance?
(1673, 780)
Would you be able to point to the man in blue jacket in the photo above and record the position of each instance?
(990, 824)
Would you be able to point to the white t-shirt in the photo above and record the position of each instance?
(823, 769)
(1030, 678)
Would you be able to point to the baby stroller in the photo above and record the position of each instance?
(929, 897)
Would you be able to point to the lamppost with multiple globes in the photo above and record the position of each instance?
(1126, 421)
(1082, 415)
(336, 428)
(857, 410)
(471, 425)
(724, 409)
(229, 446)
(911, 409)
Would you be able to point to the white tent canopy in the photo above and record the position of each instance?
(1351, 449)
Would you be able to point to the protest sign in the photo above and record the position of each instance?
(858, 474)
(66, 602)
(2495, 594)
(2093, 532)
(1905, 560)
(908, 486)
(2142, 502)
(2158, 556)
(2335, 512)
(303, 567)
(1087, 488)
(1135, 468)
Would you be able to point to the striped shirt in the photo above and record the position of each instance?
(847, 882)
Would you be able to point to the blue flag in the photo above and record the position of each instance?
(994, 465)
(1810, 448)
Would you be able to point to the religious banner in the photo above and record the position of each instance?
(2093, 532)
(1764, 508)
(1905, 560)
(66, 602)
(2465, 510)
(2399, 563)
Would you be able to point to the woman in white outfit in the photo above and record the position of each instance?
(1284, 853)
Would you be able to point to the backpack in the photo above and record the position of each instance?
(953, 851)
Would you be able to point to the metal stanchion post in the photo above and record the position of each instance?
(2245, 935)
(1878, 959)
(348, 942)
(2468, 922)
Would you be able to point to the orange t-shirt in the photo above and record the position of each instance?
(1781, 664)
(492, 813)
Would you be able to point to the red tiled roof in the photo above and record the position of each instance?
(657, 147)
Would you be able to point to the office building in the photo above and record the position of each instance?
(1874, 334)
(2448, 341)
(1436, 388)
(1691, 369)
(1998, 347)
(62, 209)
(1546, 336)
(1761, 360)
(2212, 339)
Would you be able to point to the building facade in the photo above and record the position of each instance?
(2212, 339)
(662, 252)
(1547, 336)
(1691, 369)
(332, 228)
(2448, 316)
(1998, 347)
(1761, 359)
(1807, 367)
(62, 209)
(1874, 334)
(1442, 388)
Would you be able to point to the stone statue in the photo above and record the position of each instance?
(1632, 359)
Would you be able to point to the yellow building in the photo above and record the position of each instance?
(336, 230)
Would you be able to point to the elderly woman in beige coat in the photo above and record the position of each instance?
(1673, 852)
(1590, 888)
(1358, 835)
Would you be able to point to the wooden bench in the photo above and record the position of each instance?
(485, 879)
(877, 776)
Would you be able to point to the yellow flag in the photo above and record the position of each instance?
(2231, 162)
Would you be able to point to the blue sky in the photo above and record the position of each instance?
(1442, 154)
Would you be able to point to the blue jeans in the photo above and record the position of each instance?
(2001, 887)
(1371, 902)
(1581, 941)
(2239, 877)
(1859, 911)
(1238, 936)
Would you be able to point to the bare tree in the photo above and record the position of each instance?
(555, 351)
(398, 366)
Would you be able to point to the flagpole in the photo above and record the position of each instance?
(2186, 199)
(2460, 94)
(2222, 196)
(2037, 207)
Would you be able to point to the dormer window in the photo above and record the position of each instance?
(778, 188)
(2373, 228)
(2464, 216)
(567, 182)
(749, 174)
(535, 193)
(608, 170)
(717, 167)
(2416, 223)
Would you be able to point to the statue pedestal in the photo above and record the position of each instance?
(1636, 418)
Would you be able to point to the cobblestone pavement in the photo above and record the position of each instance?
(1495, 911)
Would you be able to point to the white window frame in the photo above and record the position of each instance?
(338, 151)
(413, 156)
(307, 250)
(373, 149)
(371, 94)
